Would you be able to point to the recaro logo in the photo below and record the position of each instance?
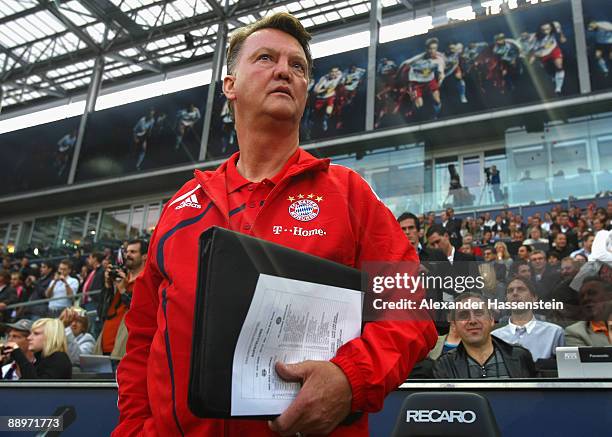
(437, 416)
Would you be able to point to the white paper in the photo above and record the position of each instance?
(289, 321)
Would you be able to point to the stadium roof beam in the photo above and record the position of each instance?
(408, 3)
(221, 13)
(178, 27)
(54, 90)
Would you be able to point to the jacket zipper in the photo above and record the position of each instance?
(170, 366)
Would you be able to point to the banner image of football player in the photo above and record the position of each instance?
(228, 139)
(142, 131)
(602, 52)
(325, 91)
(64, 148)
(185, 120)
(520, 56)
(425, 73)
(347, 91)
(507, 67)
(454, 60)
(597, 15)
(547, 51)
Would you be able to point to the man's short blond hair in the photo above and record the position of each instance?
(281, 21)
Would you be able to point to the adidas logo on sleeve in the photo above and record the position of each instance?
(190, 202)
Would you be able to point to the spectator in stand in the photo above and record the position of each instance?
(608, 314)
(94, 281)
(77, 262)
(554, 259)
(18, 333)
(555, 230)
(8, 295)
(452, 225)
(535, 237)
(592, 330)
(587, 245)
(581, 229)
(487, 237)
(522, 269)
(598, 225)
(39, 289)
(116, 299)
(62, 285)
(48, 343)
(488, 221)
(22, 292)
(499, 225)
(6, 264)
(562, 246)
(547, 223)
(24, 267)
(539, 337)
(502, 256)
(524, 253)
(79, 341)
(469, 239)
(544, 277)
(445, 343)
(480, 355)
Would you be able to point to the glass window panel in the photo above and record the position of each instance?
(71, 230)
(114, 224)
(153, 214)
(137, 218)
(3, 231)
(45, 232)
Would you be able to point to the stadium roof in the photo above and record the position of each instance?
(48, 47)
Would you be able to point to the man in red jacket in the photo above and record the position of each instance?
(273, 190)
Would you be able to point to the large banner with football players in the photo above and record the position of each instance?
(598, 21)
(335, 106)
(37, 157)
(523, 56)
(144, 135)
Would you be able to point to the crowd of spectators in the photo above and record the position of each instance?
(563, 255)
(84, 301)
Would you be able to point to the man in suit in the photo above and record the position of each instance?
(411, 227)
(452, 226)
(8, 295)
(545, 277)
(592, 330)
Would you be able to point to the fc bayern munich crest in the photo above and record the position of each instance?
(305, 207)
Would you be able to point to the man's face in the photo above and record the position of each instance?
(538, 261)
(450, 212)
(91, 262)
(15, 280)
(19, 337)
(443, 216)
(524, 271)
(561, 241)
(500, 41)
(536, 234)
(270, 78)
(489, 255)
(474, 326)
(24, 262)
(44, 269)
(546, 29)
(593, 297)
(63, 269)
(517, 291)
(410, 229)
(563, 220)
(486, 237)
(568, 270)
(438, 241)
(432, 49)
(468, 239)
(133, 258)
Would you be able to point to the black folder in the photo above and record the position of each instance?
(229, 266)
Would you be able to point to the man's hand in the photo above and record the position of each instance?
(322, 403)
(67, 316)
(121, 282)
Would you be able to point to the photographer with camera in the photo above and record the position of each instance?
(62, 285)
(116, 299)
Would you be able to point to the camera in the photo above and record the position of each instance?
(114, 272)
(487, 171)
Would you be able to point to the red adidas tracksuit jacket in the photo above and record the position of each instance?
(347, 224)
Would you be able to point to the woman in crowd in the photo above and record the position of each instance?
(48, 342)
(502, 255)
